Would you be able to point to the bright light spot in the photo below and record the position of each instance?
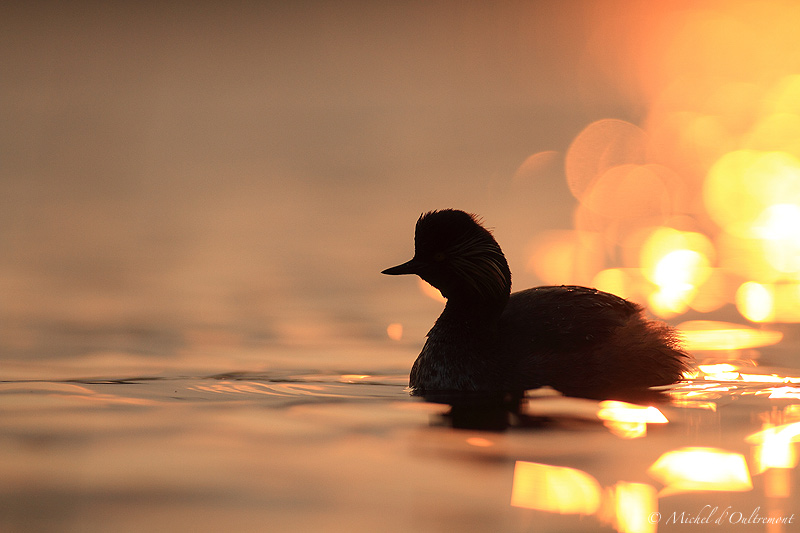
(677, 275)
(707, 335)
(629, 507)
(761, 378)
(677, 269)
(754, 301)
(627, 420)
(555, 489)
(742, 184)
(430, 291)
(627, 412)
(776, 302)
(786, 392)
(700, 469)
(719, 372)
(774, 447)
(779, 222)
(354, 378)
(717, 368)
(779, 228)
(395, 331)
(479, 442)
(677, 263)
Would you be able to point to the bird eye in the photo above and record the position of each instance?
(439, 257)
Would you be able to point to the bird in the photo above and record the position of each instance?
(580, 341)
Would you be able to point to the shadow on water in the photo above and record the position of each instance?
(499, 411)
(489, 411)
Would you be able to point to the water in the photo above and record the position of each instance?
(195, 205)
(284, 449)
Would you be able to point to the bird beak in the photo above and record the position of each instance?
(409, 267)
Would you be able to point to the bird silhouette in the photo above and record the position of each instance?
(580, 341)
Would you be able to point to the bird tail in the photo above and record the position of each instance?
(640, 354)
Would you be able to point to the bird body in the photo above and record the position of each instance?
(580, 341)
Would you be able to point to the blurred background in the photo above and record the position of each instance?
(176, 176)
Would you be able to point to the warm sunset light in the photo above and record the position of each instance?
(199, 201)
(719, 372)
(571, 255)
(555, 489)
(774, 446)
(699, 205)
(395, 331)
(629, 507)
(708, 335)
(698, 469)
(479, 442)
(755, 302)
(627, 420)
(769, 302)
(789, 393)
(430, 291)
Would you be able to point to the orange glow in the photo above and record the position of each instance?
(718, 156)
(677, 262)
(627, 420)
(629, 507)
(755, 302)
(707, 335)
(559, 257)
(430, 291)
(629, 191)
(695, 404)
(769, 302)
(774, 447)
(718, 368)
(395, 331)
(742, 184)
(353, 378)
(555, 489)
(613, 280)
(600, 146)
(699, 469)
(761, 378)
(479, 442)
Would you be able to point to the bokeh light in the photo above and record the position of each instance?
(697, 206)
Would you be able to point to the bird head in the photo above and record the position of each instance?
(457, 255)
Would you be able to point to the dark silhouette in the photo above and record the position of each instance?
(488, 345)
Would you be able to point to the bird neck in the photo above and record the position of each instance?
(477, 313)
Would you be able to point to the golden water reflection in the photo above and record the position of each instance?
(708, 335)
(630, 507)
(557, 489)
(629, 421)
(698, 469)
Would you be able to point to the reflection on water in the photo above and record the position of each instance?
(629, 421)
(247, 448)
(555, 489)
(701, 469)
